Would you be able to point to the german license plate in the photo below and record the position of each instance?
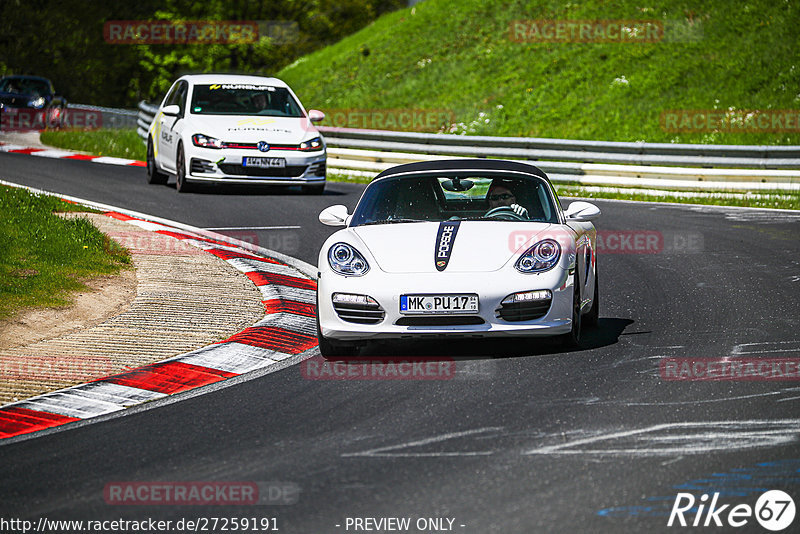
(265, 163)
(438, 304)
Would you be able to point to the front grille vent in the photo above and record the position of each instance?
(524, 311)
(289, 171)
(199, 166)
(359, 313)
(440, 320)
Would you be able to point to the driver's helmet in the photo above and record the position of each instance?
(497, 183)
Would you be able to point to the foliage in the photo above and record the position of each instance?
(63, 40)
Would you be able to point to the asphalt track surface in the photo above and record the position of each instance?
(526, 437)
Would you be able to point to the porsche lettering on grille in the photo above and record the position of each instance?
(445, 238)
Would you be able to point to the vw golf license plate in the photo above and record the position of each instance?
(265, 163)
(438, 303)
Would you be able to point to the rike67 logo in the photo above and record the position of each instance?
(774, 510)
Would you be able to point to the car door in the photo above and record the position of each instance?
(167, 140)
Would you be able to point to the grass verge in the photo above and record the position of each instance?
(110, 142)
(44, 257)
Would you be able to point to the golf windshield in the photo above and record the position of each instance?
(446, 196)
(244, 99)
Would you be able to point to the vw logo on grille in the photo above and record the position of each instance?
(262, 146)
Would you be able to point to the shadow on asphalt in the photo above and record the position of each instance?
(607, 332)
(256, 190)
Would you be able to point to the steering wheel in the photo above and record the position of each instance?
(505, 213)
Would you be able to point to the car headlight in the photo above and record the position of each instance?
(206, 141)
(346, 260)
(542, 256)
(36, 103)
(311, 144)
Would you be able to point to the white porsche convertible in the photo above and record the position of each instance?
(227, 128)
(463, 247)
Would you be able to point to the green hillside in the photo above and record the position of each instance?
(459, 56)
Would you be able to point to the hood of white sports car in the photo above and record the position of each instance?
(239, 128)
(449, 246)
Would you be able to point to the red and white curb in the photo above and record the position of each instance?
(66, 154)
(288, 329)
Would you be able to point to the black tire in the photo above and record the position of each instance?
(328, 349)
(181, 185)
(572, 339)
(593, 316)
(154, 176)
(312, 189)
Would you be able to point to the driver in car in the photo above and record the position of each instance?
(259, 101)
(500, 195)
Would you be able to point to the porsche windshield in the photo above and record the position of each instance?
(445, 196)
(244, 99)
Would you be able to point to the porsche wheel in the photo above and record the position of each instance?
(572, 339)
(593, 317)
(154, 176)
(329, 349)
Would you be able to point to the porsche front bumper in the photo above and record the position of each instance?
(491, 288)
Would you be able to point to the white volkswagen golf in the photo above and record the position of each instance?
(235, 129)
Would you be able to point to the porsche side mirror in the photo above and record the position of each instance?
(334, 215)
(581, 211)
(315, 115)
(173, 110)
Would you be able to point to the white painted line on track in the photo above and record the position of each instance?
(386, 451)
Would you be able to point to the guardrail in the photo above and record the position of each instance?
(640, 153)
(111, 117)
(146, 115)
(661, 165)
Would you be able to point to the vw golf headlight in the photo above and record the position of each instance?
(541, 257)
(206, 141)
(346, 260)
(311, 144)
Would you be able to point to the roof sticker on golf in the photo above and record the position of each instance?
(245, 86)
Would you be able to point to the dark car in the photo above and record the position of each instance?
(30, 102)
